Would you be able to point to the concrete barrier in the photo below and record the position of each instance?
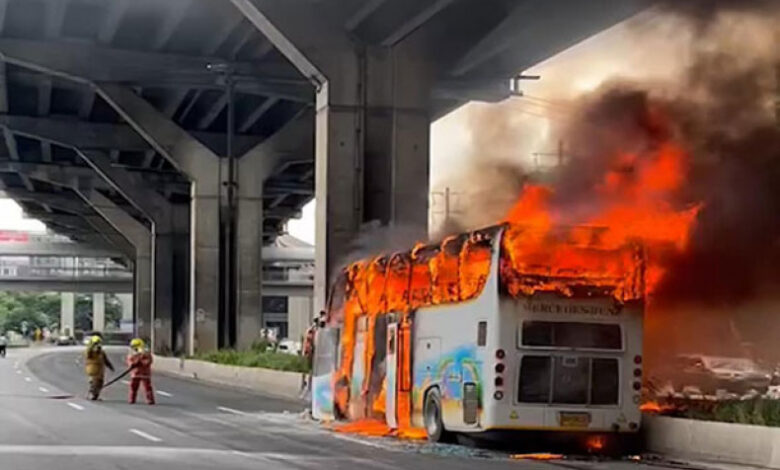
(707, 440)
(265, 381)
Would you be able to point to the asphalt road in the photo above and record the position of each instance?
(45, 422)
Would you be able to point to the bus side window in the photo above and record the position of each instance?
(482, 333)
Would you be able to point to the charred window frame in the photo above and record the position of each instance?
(593, 336)
(338, 296)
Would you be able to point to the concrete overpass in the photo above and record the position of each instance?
(183, 133)
(118, 281)
(71, 249)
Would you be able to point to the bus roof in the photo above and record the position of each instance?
(568, 261)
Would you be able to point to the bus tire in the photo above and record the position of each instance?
(432, 417)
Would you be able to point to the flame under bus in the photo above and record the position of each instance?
(494, 329)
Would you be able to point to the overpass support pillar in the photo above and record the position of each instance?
(372, 128)
(379, 144)
(99, 312)
(67, 309)
(249, 245)
(127, 307)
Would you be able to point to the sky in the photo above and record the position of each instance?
(303, 228)
(633, 48)
(12, 218)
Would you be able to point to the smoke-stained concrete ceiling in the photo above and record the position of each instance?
(55, 50)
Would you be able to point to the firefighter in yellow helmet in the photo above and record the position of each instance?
(95, 363)
(140, 362)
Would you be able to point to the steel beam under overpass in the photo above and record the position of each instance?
(93, 63)
(98, 135)
(215, 323)
(70, 202)
(132, 232)
(143, 278)
(165, 250)
(169, 302)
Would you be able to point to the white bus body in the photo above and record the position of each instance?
(541, 362)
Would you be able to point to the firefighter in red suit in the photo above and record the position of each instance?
(140, 360)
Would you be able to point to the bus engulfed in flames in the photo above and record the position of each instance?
(611, 243)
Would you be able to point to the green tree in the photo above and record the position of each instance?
(42, 310)
(37, 310)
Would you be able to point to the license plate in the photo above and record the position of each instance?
(575, 420)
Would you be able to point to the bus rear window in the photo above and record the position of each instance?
(571, 335)
(606, 382)
(534, 379)
(568, 380)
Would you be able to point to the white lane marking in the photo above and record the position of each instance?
(18, 371)
(76, 406)
(232, 411)
(165, 394)
(16, 365)
(126, 382)
(27, 379)
(146, 436)
(43, 389)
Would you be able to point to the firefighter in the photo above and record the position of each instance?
(140, 362)
(308, 352)
(95, 364)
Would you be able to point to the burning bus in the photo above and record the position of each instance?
(505, 328)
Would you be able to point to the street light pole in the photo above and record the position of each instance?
(232, 255)
(227, 253)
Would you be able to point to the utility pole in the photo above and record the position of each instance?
(559, 154)
(448, 195)
(228, 255)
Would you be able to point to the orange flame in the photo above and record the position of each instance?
(596, 443)
(653, 407)
(536, 456)
(634, 205)
(377, 428)
(364, 427)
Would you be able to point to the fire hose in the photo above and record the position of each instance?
(119, 377)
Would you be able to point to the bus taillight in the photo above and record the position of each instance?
(637, 359)
(498, 381)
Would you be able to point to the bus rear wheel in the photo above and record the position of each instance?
(432, 415)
